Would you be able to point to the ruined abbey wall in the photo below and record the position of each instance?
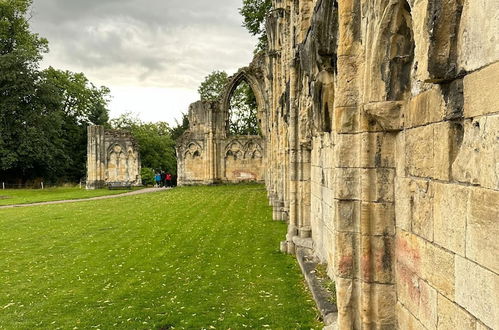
(207, 154)
(383, 153)
(380, 146)
(112, 157)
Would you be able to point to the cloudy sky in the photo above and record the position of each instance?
(153, 54)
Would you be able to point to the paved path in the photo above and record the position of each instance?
(138, 192)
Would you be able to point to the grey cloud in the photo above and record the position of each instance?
(172, 43)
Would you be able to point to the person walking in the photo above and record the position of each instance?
(157, 178)
(163, 176)
(168, 180)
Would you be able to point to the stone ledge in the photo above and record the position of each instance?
(306, 243)
(328, 310)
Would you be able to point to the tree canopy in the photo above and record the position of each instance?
(212, 87)
(43, 114)
(157, 147)
(254, 13)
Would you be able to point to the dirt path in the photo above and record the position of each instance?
(138, 192)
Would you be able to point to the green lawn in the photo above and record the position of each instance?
(26, 196)
(188, 258)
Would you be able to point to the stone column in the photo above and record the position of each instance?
(96, 157)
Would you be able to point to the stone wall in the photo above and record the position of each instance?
(112, 157)
(207, 154)
(380, 124)
(383, 151)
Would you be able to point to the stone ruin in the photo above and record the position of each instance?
(112, 158)
(208, 154)
(380, 145)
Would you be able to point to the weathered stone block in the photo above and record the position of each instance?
(346, 119)
(379, 312)
(403, 203)
(406, 319)
(376, 259)
(388, 115)
(421, 211)
(409, 251)
(377, 184)
(378, 150)
(478, 42)
(346, 216)
(408, 260)
(437, 267)
(453, 317)
(399, 160)
(346, 149)
(427, 305)
(427, 107)
(345, 261)
(347, 293)
(347, 82)
(450, 209)
(481, 91)
(476, 291)
(347, 183)
(482, 244)
(377, 219)
(442, 25)
(477, 158)
(428, 151)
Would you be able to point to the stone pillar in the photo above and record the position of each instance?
(96, 157)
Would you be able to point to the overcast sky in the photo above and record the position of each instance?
(153, 54)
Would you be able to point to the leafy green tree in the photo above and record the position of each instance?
(26, 132)
(147, 175)
(80, 104)
(213, 85)
(43, 115)
(243, 109)
(254, 13)
(181, 127)
(157, 147)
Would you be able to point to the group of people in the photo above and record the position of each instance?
(163, 179)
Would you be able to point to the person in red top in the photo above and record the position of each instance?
(168, 180)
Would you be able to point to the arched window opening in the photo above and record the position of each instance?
(243, 111)
(401, 52)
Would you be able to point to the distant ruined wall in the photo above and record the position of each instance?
(207, 154)
(383, 152)
(112, 156)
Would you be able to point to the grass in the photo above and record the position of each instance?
(188, 258)
(26, 196)
(326, 282)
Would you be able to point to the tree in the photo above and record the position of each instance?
(213, 85)
(157, 147)
(80, 104)
(181, 127)
(43, 114)
(243, 106)
(25, 133)
(254, 13)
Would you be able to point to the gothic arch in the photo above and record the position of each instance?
(253, 80)
(392, 51)
(194, 150)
